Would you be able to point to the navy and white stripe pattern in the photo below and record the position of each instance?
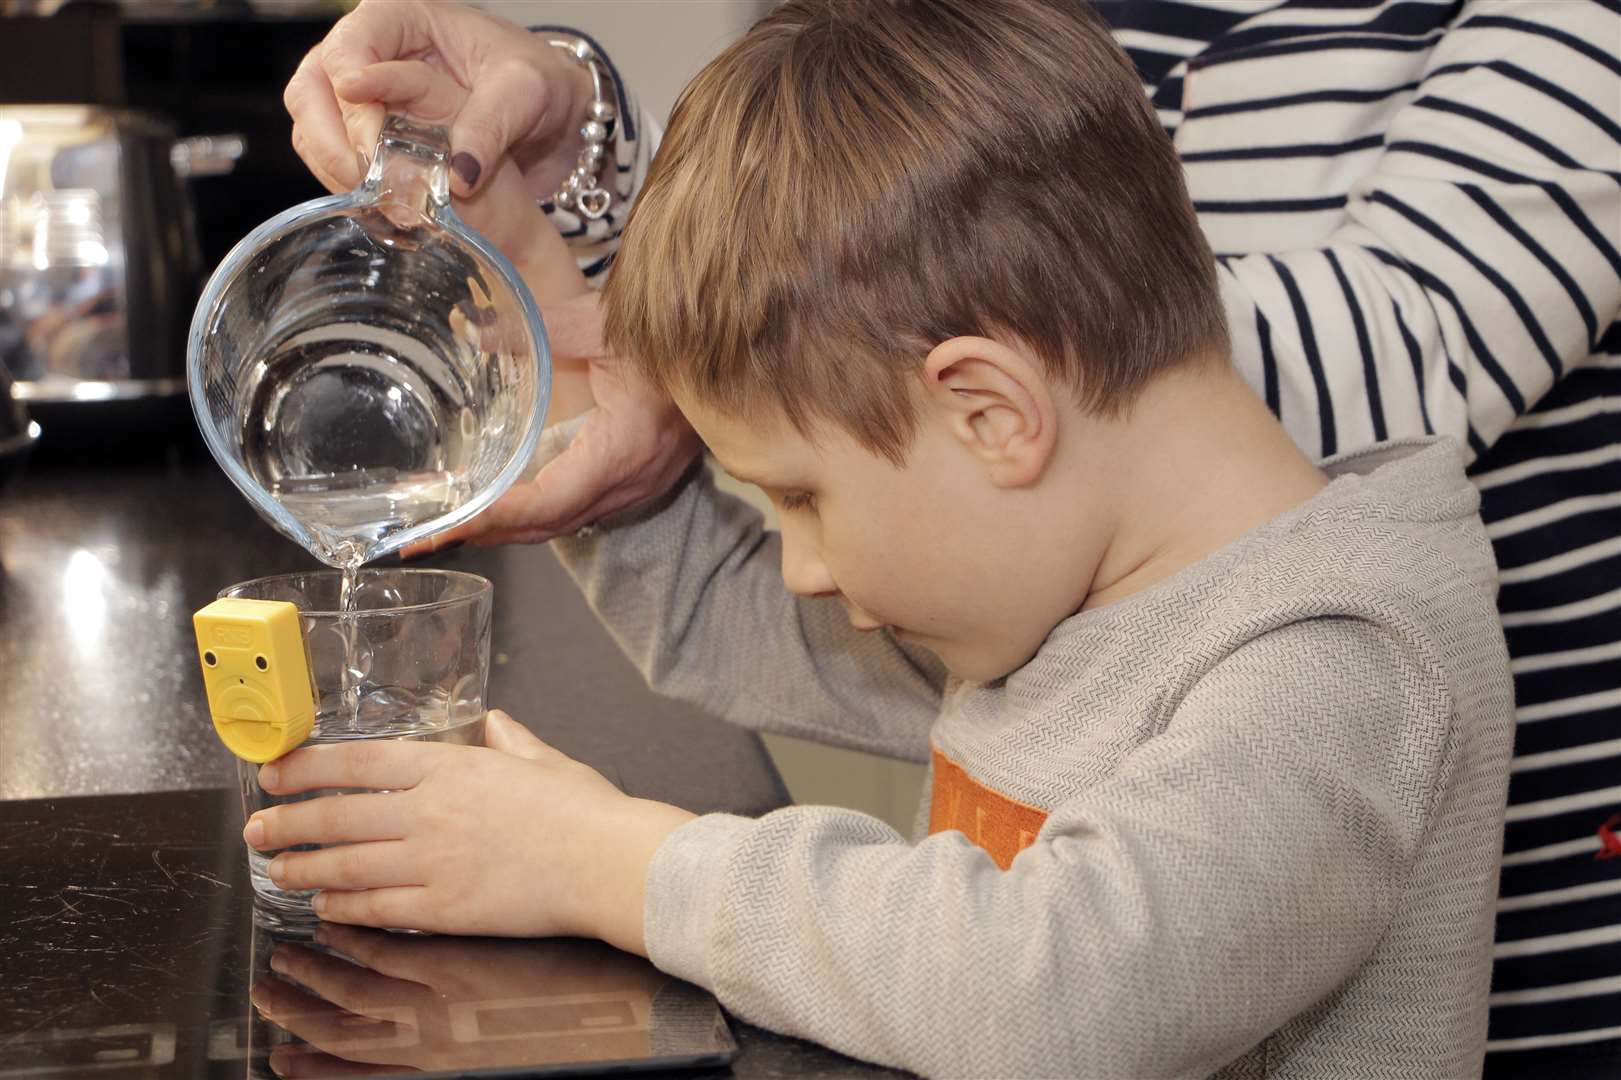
(635, 137)
(1417, 209)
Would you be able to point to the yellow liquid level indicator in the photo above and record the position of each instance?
(257, 674)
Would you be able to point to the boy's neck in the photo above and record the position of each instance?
(1200, 461)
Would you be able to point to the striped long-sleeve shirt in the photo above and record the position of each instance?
(1417, 209)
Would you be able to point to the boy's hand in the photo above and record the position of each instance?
(512, 838)
(394, 999)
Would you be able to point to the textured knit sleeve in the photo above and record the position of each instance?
(691, 589)
(1236, 870)
(1478, 260)
(636, 137)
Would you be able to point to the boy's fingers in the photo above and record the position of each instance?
(381, 764)
(449, 540)
(503, 733)
(301, 1061)
(374, 865)
(336, 819)
(360, 990)
(396, 908)
(386, 954)
(319, 1023)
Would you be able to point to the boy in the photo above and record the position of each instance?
(1219, 738)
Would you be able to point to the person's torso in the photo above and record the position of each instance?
(1310, 89)
(1106, 683)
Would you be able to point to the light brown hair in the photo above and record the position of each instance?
(855, 181)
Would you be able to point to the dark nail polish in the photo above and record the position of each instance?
(467, 167)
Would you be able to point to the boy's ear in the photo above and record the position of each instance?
(998, 404)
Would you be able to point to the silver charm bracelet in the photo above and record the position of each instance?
(582, 191)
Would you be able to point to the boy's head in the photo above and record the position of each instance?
(876, 221)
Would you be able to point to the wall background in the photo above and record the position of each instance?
(658, 45)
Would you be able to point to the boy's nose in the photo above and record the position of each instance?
(803, 571)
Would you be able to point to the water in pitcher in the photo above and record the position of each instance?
(360, 431)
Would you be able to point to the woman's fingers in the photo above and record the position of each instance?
(332, 135)
(327, 180)
(494, 83)
(379, 30)
(509, 101)
(414, 87)
(320, 136)
(615, 462)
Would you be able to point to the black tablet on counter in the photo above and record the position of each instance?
(374, 1003)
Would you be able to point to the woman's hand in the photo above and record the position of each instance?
(632, 446)
(525, 99)
(501, 209)
(512, 838)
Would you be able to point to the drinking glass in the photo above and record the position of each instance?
(410, 661)
(366, 368)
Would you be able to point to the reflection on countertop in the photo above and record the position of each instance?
(128, 951)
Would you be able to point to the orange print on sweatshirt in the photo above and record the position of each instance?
(990, 819)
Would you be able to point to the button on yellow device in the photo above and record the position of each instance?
(257, 675)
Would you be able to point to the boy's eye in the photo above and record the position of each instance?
(798, 500)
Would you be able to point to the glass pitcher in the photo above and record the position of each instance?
(366, 368)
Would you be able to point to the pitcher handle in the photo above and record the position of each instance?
(410, 167)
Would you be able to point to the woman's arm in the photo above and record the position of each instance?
(1479, 259)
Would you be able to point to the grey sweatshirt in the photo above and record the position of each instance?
(1275, 786)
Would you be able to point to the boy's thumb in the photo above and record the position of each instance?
(503, 733)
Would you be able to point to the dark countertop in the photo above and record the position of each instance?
(128, 949)
(132, 905)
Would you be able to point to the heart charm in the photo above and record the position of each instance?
(594, 203)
